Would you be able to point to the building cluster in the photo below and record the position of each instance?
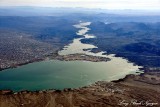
(18, 49)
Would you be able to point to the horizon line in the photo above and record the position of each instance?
(81, 7)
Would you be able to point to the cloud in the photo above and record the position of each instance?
(107, 4)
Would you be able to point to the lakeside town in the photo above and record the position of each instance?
(131, 78)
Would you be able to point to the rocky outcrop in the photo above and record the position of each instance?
(132, 91)
(73, 57)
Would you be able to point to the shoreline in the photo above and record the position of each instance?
(71, 57)
(8, 91)
(140, 88)
(97, 90)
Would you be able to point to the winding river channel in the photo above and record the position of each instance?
(55, 74)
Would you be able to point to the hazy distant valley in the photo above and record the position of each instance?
(57, 57)
(36, 34)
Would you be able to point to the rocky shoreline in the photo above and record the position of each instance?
(131, 91)
(83, 57)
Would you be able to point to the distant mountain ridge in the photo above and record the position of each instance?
(54, 11)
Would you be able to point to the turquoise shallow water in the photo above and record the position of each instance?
(56, 74)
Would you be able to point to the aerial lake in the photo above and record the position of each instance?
(55, 74)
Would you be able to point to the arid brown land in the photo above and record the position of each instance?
(132, 91)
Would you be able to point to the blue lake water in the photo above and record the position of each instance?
(54, 74)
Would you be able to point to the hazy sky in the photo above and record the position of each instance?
(107, 4)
